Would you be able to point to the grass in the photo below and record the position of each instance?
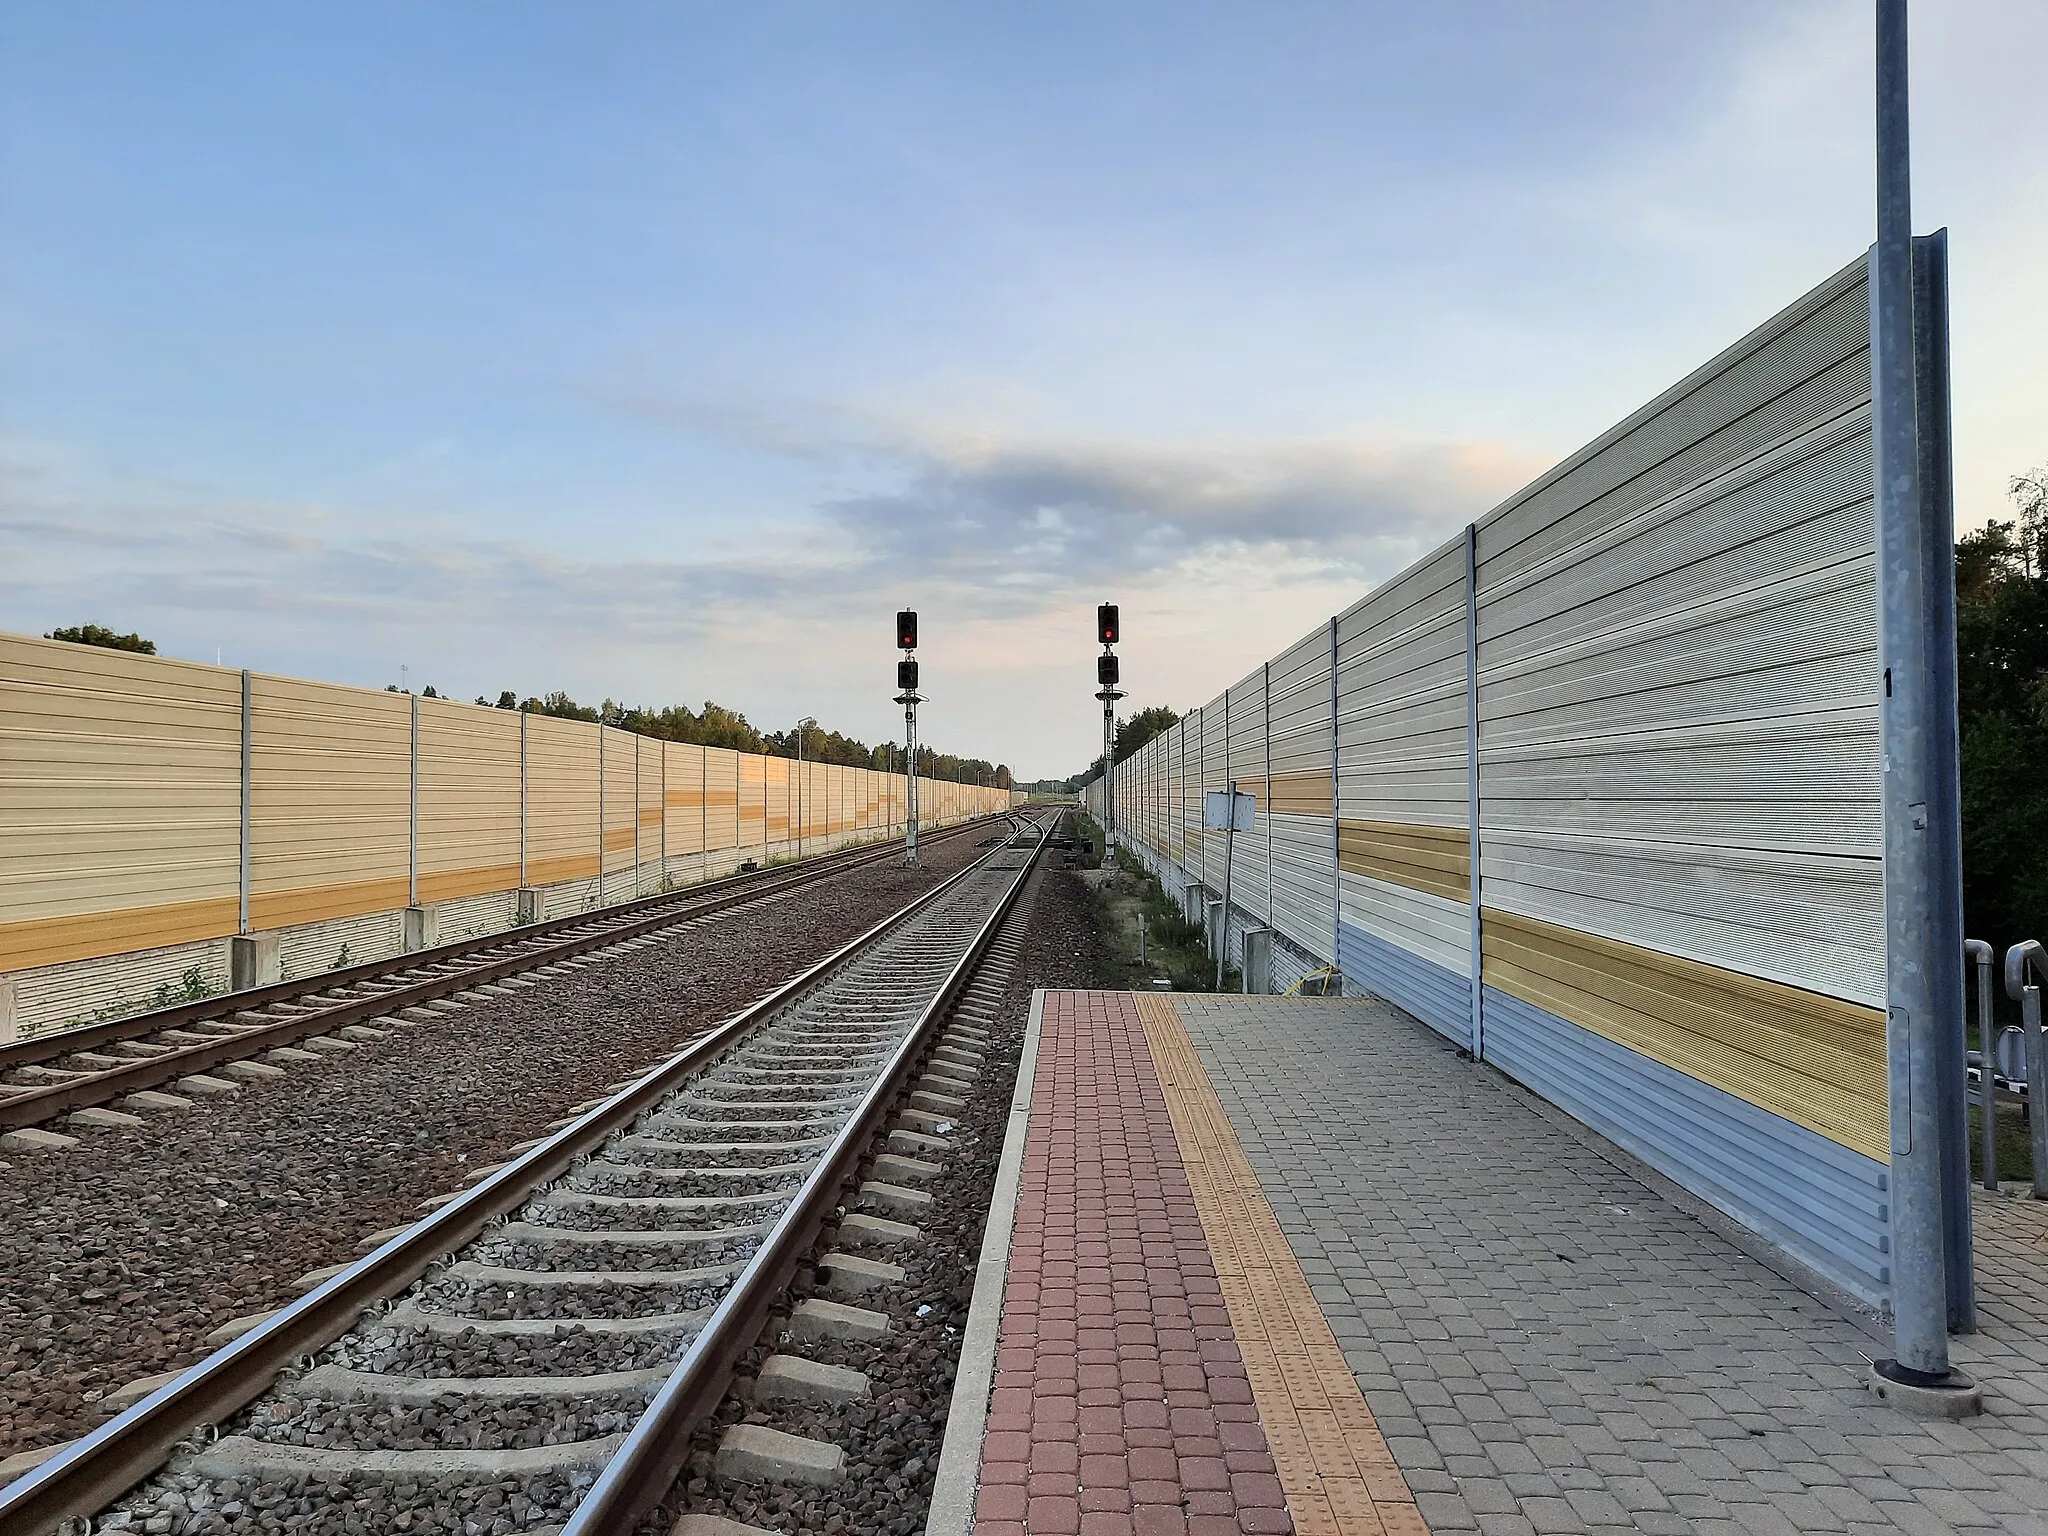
(2015, 1146)
(1175, 948)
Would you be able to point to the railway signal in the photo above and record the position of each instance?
(908, 696)
(1108, 631)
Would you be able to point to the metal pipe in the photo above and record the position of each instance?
(245, 854)
(2019, 960)
(1987, 1073)
(1474, 935)
(1336, 831)
(412, 814)
(910, 782)
(1944, 803)
(1920, 1000)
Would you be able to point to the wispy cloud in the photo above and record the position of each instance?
(1041, 516)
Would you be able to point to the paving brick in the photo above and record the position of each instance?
(1656, 1375)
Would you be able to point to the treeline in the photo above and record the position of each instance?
(1130, 735)
(716, 726)
(2002, 719)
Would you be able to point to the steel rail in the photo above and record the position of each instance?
(31, 1106)
(94, 1471)
(647, 1465)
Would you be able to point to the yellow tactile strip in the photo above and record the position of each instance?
(1333, 1462)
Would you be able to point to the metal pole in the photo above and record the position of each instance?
(1475, 938)
(1922, 981)
(1223, 917)
(412, 814)
(910, 782)
(522, 799)
(1944, 808)
(799, 791)
(601, 812)
(1267, 808)
(2034, 1048)
(1336, 835)
(1987, 1069)
(245, 861)
(1108, 773)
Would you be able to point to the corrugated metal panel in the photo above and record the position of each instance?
(1401, 697)
(561, 800)
(115, 986)
(474, 916)
(651, 765)
(722, 798)
(1404, 791)
(620, 801)
(330, 801)
(1439, 997)
(319, 947)
(1823, 1202)
(1678, 679)
(685, 814)
(1677, 688)
(469, 800)
(120, 802)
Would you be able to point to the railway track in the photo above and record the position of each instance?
(45, 1078)
(533, 1355)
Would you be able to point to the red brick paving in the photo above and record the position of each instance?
(1121, 1406)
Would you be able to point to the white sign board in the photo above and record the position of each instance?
(1226, 810)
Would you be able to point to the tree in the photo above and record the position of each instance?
(1140, 728)
(100, 635)
(2002, 718)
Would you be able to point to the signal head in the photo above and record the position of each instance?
(906, 675)
(1105, 623)
(1105, 670)
(906, 629)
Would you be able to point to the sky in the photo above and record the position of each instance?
(660, 352)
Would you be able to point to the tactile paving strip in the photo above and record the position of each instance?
(1333, 1463)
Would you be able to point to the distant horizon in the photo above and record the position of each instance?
(661, 354)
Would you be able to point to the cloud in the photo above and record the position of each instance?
(1035, 518)
(1004, 542)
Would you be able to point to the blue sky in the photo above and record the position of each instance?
(660, 351)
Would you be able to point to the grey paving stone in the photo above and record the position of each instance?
(1506, 1288)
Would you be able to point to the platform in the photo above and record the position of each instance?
(1295, 1265)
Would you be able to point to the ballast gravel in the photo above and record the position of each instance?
(892, 1439)
(118, 1256)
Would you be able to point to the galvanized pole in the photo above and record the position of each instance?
(1336, 835)
(1923, 979)
(1475, 934)
(1944, 808)
(412, 813)
(1267, 808)
(243, 877)
(1108, 773)
(910, 781)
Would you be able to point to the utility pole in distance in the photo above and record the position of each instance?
(1107, 631)
(908, 697)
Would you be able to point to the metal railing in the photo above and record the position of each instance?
(2022, 962)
